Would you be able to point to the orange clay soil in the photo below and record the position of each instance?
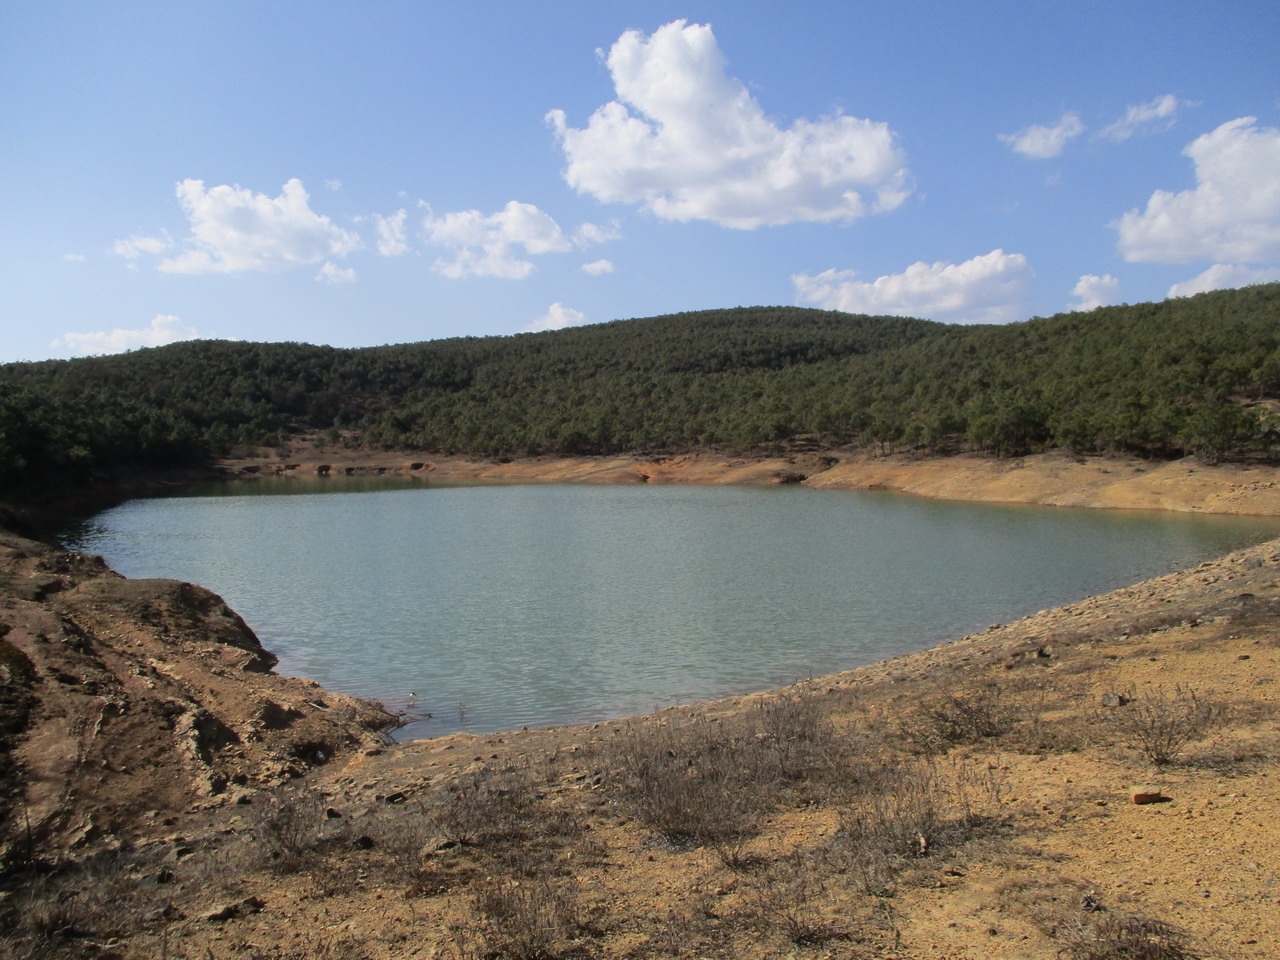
(972, 800)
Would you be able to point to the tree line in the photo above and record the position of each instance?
(1186, 376)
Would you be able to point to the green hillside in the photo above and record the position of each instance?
(1159, 379)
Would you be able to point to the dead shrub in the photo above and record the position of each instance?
(1161, 723)
(483, 808)
(693, 785)
(287, 829)
(532, 920)
(790, 898)
(911, 810)
(1107, 936)
(948, 719)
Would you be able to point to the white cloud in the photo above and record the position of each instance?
(333, 185)
(486, 246)
(988, 289)
(73, 257)
(1157, 116)
(597, 267)
(234, 229)
(135, 247)
(1092, 291)
(687, 142)
(1223, 276)
(393, 238)
(1232, 215)
(592, 234)
(1041, 143)
(164, 328)
(557, 317)
(332, 273)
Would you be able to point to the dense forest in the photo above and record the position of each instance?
(1184, 376)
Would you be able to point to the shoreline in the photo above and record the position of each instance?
(1047, 479)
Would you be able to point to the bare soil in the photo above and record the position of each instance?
(168, 796)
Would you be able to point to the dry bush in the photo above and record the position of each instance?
(62, 913)
(948, 719)
(693, 785)
(484, 807)
(1107, 936)
(287, 829)
(911, 810)
(1161, 723)
(532, 920)
(791, 898)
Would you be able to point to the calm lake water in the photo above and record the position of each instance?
(503, 606)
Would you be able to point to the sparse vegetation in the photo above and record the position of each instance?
(1160, 722)
(1109, 936)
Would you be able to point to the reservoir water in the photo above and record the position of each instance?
(495, 607)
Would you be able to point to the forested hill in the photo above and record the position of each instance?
(1162, 379)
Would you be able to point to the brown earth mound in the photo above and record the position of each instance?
(127, 702)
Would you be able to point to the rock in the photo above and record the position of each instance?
(1146, 794)
(1112, 699)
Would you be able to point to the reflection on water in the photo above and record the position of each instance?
(494, 607)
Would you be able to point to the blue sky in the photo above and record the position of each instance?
(385, 172)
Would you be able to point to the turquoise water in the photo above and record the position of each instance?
(495, 607)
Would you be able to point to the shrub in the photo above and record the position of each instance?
(1162, 723)
(948, 719)
(693, 785)
(1112, 937)
(532, 920)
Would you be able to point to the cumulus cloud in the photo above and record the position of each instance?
(489, 246)
(393, 237)
(557, 317)
(687, 142)
(1092, 291)
(988, 289)
(332, 273)
(235, 230)
(1231, 216)
(1040, 142)
(1224, 276)
(164, 328)
(1154, 117)
(597, 267)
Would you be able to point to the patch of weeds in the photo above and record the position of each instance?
(482, 808)
(1161, 723)
(60, 913)
(693, 785)
(1107, 936)
(689, 931)
(950, 719)
(797, 740)
(791, 897)
(911, 811)
(530, 920)
(287, 829)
